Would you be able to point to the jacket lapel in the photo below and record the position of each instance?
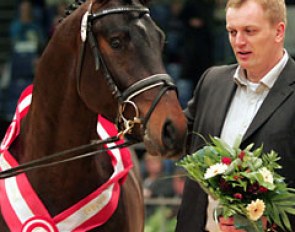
(224, 98)
(281, 90)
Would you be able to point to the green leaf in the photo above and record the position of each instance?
(223, 148)
(249, 147)
(276, 216)
(290, 210)
(257, 152)
(285, 220)
(237, 142)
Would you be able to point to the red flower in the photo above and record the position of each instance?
(226, 160)
(241, 155)
(238, 196)
(253, 188)
(224, 186)
(263, 189)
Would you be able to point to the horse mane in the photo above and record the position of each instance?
(73, 6)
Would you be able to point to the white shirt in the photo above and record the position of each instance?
(248, 98)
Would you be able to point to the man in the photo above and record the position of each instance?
(254, 98)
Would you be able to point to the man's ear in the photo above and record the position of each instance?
(280, 31)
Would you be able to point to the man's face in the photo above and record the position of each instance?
(257, 44)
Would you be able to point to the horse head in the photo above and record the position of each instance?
(120, 50)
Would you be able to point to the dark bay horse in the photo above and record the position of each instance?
(103, 59)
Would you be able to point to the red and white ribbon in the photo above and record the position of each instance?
(22, 209)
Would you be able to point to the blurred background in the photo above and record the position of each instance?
(195, 40)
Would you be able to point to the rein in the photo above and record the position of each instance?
(49, 160)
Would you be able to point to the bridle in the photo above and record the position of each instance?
(125, 97)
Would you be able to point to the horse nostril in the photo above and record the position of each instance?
(169, 135)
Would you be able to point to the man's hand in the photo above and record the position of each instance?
(227, 224)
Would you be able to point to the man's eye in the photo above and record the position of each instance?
(250, 31)
(232, 33)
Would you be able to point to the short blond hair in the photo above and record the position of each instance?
(275, 9)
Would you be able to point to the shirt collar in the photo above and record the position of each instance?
(269, 79)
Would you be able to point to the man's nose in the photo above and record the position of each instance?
(240, 39)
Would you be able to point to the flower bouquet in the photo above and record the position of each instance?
(244, 182)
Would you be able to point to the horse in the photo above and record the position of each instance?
(103, 59)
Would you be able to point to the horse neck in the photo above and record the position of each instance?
(58, 118)
(57, 122)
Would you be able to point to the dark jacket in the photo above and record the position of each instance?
(273, 126)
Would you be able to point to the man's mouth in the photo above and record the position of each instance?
(243, 54)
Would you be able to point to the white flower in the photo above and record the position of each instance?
(215, 170)
(255, 209)
(267, 175)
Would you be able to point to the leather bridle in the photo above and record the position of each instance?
(124, 97)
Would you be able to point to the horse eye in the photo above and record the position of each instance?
(115, 43)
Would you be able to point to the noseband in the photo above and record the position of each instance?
(124, 97)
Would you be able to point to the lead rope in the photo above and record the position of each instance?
(49, 160)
